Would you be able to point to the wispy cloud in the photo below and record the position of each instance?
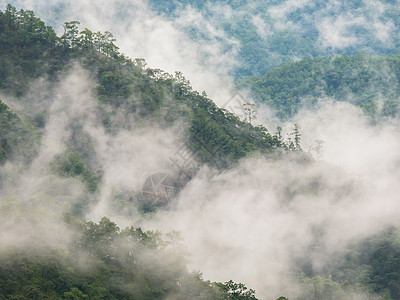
(249, 222)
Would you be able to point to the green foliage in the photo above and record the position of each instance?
(237, 291)
(105, 262)
(70, 165)
(215, 136)
(268, 39)
(18, 137)
(27, 49)
(361, 80)
(75, 294)
(317, 287)
(30, 49)
(382, 254)
(70, 37)
(369, 266)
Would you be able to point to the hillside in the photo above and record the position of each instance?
(85, 130)
(96, 260)
(274, 32)
(122, 84)
(368, 82)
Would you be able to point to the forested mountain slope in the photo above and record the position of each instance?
(70, 100)
(368, 82)
(273, 32)
(100, 261)
(298, 52)
(122, 83)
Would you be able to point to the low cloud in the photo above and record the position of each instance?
(336, 32)
(250, 223)
(41, 197)
(263, 29)
(141, 33)
(287, 7)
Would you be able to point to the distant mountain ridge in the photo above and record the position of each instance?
(369, 82)
(101, 260)
(274, 32)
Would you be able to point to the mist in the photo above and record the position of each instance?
(124, 159)
(141, 33)
(249, 223)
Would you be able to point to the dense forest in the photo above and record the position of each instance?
(283, 57)
(103, 261)
(368, 82)
(274, 32)
(61, 255)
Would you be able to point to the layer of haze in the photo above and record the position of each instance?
(195, 42)
(35, 198)
(248, 223)
(141, 33)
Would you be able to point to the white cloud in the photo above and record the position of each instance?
(336, 31)
(281, 11)
(263, 29)
(141, 33)
(248, 223)
(337, 22)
